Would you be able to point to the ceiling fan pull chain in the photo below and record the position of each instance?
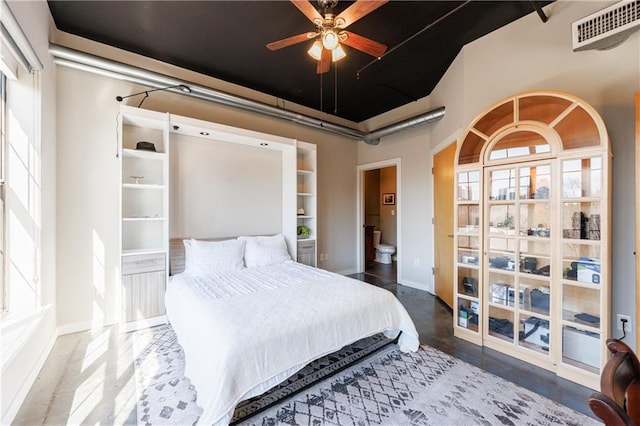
(321, 107)
(335, 90)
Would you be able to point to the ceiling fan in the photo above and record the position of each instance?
(331, 31)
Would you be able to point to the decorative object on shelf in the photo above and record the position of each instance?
(588, 318)
(137, 178)
(470, 286)
(300, 212)
(145, 146)
(303, 231)
(389, 198)
(540, 299)
(182, 87)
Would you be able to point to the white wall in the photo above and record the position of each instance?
(526, 55)
(37, 331)
(411, 147)
(87, 205)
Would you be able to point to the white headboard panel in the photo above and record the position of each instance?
(230, 181)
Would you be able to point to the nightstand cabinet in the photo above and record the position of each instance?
(144, 283)
(307, 252)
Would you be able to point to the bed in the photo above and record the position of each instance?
(248, 317)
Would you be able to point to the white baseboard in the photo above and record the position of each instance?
(419, 286)
(126, 327)
(145, 323)
(11, 412)
(75, 327)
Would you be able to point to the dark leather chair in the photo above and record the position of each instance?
(618, 402)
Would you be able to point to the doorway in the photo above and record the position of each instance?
(379, 219)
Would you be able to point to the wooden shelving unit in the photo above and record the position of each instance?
(532, 241)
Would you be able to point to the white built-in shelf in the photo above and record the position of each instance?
(142, 219)
(143, 216)
(143, 186)
(307, 201)
(147, 155)
(134, 252)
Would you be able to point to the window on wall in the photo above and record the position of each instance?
(20, 172)
(21, 213)
(520, 144)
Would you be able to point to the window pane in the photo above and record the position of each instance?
(519, 144)
(582, 177)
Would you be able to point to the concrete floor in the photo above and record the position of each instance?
(89, 379)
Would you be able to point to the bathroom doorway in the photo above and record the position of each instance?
(379, 236)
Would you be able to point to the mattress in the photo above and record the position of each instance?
(243, 332)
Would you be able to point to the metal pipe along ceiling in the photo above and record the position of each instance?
(90, 63)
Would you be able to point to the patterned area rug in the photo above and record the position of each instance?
(159, 367)
(389, 387)
(311, 374)
(165, 395)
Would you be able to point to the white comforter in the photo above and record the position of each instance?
(244, 332)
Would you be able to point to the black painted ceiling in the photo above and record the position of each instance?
(226, 40)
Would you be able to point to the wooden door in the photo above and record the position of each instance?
(443, 181)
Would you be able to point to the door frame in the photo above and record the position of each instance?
(452, 138)
(360, 212)
(637, 240)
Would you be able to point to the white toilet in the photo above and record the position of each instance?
(383, 251)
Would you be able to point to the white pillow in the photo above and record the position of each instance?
(263, 251)
(213, 257)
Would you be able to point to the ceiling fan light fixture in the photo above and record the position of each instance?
(330, 31)
(330, 40)
(337, 54)
(316, 50)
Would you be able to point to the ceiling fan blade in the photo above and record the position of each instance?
(308, 10)
(324, 63)
(357, 10)
(363, 44)
(285, 42)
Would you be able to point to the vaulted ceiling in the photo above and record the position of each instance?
(227, 40)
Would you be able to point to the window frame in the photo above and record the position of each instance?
(3, 138)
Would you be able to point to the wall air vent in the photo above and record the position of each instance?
(606, 28)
